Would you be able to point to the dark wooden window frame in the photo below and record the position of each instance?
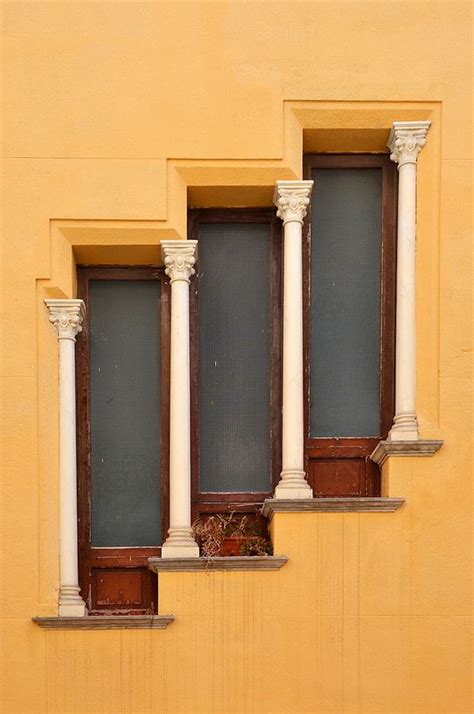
(239, 502)
(356, 451)
(119, 561)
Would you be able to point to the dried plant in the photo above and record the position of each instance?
(211, 532)
(256, 545)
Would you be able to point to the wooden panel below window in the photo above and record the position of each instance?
(118, 588)
(342, 467)
(123, 590)
(343, 477)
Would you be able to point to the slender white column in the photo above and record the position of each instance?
(180, 257)
(67, 317)
(291, 199)
(405, 143)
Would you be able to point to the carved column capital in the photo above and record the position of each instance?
(406, 140)
(66, 316)
(292, 199)
(179, 257)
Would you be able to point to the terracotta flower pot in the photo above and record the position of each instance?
(232, 545)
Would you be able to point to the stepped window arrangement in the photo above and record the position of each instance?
(263, 363)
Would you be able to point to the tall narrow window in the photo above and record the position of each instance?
(121, 363)
(237, 351)
(350, 284)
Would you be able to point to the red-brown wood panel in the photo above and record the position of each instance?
(112, 588)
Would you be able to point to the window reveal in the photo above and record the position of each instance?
(349, 325)
(236, 325)
(123, 394)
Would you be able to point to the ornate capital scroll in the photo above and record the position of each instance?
(67, 317)
(180, 257)
(406, 140)
(292, 199)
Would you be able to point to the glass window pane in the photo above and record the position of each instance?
(124, 334)
(234, 359)
(345, 302)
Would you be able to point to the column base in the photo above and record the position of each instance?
(293, 485)
(70, 602)
(180, 544)
(180, 551)
(405, 428)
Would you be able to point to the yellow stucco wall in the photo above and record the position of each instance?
(117, 115)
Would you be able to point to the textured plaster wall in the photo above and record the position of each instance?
(116, 115)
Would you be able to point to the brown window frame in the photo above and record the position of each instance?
(239, 502)
(349, 470)
(126, 564)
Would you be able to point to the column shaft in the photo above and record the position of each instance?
(180, 419)
(292, 435)
(67, 464)
(405, 376)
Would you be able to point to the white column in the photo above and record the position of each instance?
(67, 317)
(405, 143)
(179, 257)
(291, 199)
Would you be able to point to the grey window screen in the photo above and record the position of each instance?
(346, 224)
(234, 357)
(125, 412)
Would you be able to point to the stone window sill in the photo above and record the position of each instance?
(422, 447)
(105, 622)
(251, 562)
(330, 505)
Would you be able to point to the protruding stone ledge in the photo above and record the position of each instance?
(330, 505)
(422, 447)
(248, 562)
(105, 622)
